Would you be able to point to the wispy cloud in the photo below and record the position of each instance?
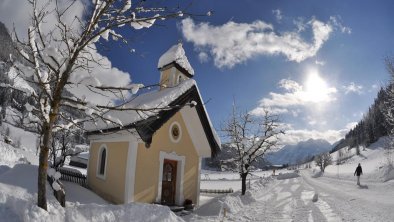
(353, 88)
(278, 14)
(337, 22)
(320, 62)
(374, 87)
(233, 43)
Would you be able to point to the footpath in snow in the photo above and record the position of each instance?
(303, 199)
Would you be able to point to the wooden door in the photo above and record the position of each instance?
(168, 182)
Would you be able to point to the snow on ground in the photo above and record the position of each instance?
(332, 196)
(373, 162)
(9, 156)
(227, 180)
(27, 142)
(292, 200)
(18, 190)
(289, 196)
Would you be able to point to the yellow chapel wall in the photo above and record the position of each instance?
(111, 188)
(168, 78)
(148, 163)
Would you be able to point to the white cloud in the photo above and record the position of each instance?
(233, 43)
(296, 95)
(278, 14)
(312, 122)
(337, 22)
(103, 74)
(374, 88)
(203, 56)
(358, 114)
(300, 24)
(353, 88)
(319, 62)
(289, 85)
(294, 136)
(260, 111)
(19, 13)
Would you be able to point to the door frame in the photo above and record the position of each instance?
(179, 198)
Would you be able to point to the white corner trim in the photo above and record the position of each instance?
(170, 132)
(179, 198)
(130, 171)
(98, 175)
(198, 181)
(87, 167)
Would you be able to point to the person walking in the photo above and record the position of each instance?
(358, 171)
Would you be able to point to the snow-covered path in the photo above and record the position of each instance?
(338, 200)
(368, 202)
(288, 200)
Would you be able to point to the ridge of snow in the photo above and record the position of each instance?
(175, 54)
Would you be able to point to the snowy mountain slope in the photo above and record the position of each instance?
(291, 154)
(373, 160)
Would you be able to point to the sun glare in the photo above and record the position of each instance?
(316, 89)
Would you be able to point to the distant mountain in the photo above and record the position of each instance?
(225, 160)
(292, 154)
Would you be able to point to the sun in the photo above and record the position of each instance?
(316, 89)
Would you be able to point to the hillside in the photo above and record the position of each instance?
(292, 154)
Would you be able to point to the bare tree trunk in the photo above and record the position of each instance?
(44, 153)
(243, 177)
(42, 168)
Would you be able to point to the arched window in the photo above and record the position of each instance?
(179, 79)
(102, 162)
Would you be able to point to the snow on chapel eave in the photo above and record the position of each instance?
(175, 56)
(147, 127)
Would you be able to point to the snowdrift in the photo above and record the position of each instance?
(18, 187)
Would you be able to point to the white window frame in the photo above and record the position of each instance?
(102, 176)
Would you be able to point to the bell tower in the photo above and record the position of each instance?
(174, 67)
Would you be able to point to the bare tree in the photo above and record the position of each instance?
(252, 137)
(340, 157)
(55, 56)
(323, 160)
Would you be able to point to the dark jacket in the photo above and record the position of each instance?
(358, 171)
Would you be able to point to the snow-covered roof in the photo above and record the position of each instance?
(84, 155)
(157, 99)
(147, 122)
(176, 54)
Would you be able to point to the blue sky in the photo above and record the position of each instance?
(319, 64)
(349, 61)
